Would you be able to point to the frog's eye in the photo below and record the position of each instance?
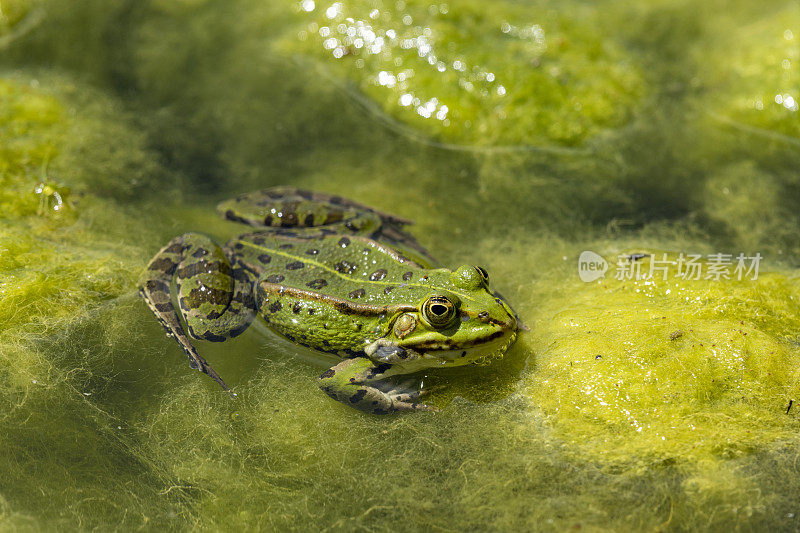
(483, 273)
(470, 277)
(438, 311)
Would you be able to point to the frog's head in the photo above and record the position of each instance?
(466, 322)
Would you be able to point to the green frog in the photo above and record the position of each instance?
(336, 276)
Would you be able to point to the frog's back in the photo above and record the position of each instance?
(352, 268)
(340, 288)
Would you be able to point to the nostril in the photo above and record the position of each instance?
(483, 316)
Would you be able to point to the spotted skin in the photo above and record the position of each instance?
(292, 208)
(214, 298)
(335, 276)
(359, 383)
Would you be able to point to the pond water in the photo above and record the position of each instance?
(517, 135)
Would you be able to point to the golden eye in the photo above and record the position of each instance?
(439, 311)
(483, 273)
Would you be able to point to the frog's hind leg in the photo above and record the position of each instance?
(215, 299)
(293, 211)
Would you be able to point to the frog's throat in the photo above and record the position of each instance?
(343, 306)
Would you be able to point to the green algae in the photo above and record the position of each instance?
(11, 14)
(465, 74)
(757, 86)
(58, 269)
(163, 108)
(692, 369)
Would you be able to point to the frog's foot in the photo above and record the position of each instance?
(385, 351)
(409, 391)
(359, 383)
(215, 299)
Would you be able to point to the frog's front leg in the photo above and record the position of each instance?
(359, 383)
(215, 299)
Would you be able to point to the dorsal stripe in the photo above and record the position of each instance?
(342, 305)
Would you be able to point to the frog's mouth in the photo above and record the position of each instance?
(435, 352)
(479, 354)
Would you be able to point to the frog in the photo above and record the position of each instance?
(336, 276)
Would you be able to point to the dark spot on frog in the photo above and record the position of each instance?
(296, 265)
(598, 357)
(286, 246)
(311, 310)
(312, 251)
(378, 275)
(317, 283)
(289, 219)
(268, 220)
(335, 200)
(258, 239)
(238, 246)
(675, 335)
(344, 242)
(377, 369)
(213, 337)
(203, 267)
(358, 396)
(275, 307)
(174, 248)
(388, 289)
(407, 276)
(200, 252)
(463, 354)
(264, 258)
(197, 297)
(358, 293)
(309, 220)
(334, 215)
(154, 285)
(345, 267)
(327, 374)
(275, 278)
(296, 307)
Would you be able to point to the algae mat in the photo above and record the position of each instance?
(517, 136)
